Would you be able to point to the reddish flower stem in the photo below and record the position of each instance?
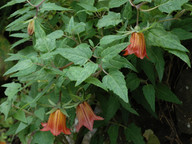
(67, 65)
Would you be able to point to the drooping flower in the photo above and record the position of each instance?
(137, 46)
(56, 124)
(31, 27)
(86, 116)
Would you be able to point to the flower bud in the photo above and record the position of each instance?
(31, 27)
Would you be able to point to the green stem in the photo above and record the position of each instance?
(137, 17)
(25, 111)
(60, 94)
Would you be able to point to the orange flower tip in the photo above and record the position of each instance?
(67, 132)
(43, 124)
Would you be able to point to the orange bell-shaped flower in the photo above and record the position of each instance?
(31, 27)
(56, 124)
(86, 116)
(137, 46)
(2, 142)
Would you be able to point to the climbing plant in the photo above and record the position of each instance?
(81, 65)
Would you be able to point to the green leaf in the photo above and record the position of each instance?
(97, 139)
(113, 133)
(39, 32)
(118, 62)
(79, 55)
(109, 106)
(52, 6)
(88, 7)
(96, 82)
(156, 56)
(172, 5)
(22, 54)
(132, 81)
(40, 94)
(140, 99)
(115, 82)
(11, 90)
(18, 24)
(20, 12)
(12, 129)
(45, 44)
(116, 3)
(5, 108)
(22, 125)
(113, 51)
(110, 38)
(128, 107)
(19, 42)
(56, 34)
(40, 113)
(20, 35)
(149, 93)
(90, 2)
(164, 93)
(21, 65)
(159, 37)
(88, 69)
(185, 24)
(20, 115)
(127, 12)
(25, 71)
(42, 138)
(133, 133)
(138, 1)
(71, 25)
(73, 72)
(182, 55)
(75, 28)
(148, 69)
(112, 19)
(182, 34)
(12, 2)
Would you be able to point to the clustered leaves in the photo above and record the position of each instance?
(73, 52)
